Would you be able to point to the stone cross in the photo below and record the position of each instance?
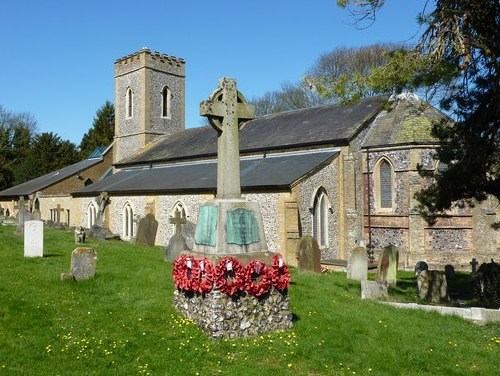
(177, 221)
(226, 109)
(473, 265)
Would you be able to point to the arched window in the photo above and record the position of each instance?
(384, 185)
(166, 102)
(37, 204)
(128, 221)
(91, 215)
(129, 103)
(320, 217)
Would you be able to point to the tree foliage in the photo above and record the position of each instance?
(460, 43)
(102, 131)
(24, 154)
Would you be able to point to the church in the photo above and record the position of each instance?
(346, 174)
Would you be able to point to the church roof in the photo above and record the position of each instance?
(407, 120)
(31, 186)
(278, 171)
(42, 182)
(331, 125)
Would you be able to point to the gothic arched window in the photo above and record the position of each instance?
(129, 103)
(166, 102)
(128, 221)
(320, 217)
(384, 185)
(91, 215)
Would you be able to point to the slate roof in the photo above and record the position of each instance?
(38, 184)
(332, 125)
(279, 171)
(408, 121)
(31, 186)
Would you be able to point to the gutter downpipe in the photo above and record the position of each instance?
(370, 247)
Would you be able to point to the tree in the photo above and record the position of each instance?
(102, 131)
(337, 75)
(290, 97)
(462, 36)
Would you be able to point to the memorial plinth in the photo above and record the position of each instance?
(229, 224)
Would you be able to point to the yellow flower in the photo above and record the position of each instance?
(290, 365)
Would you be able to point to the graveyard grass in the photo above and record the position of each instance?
(122, 323)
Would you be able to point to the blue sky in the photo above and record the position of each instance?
(57, 56)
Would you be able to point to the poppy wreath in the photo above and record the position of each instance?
(186, 273)
(224, 267)
(257, 269)
(280, 273)
(207, 276)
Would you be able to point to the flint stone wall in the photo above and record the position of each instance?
(222, 316)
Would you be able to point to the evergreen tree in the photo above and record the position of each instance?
(102, 131)
(460, 44)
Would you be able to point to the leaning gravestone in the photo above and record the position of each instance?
(309, 255)
(33, 239)
(357, 266)
(432, 286)
(83, 264)
(146, 232)
(388, 265)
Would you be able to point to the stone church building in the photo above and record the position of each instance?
(346, 174)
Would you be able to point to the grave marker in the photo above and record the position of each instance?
(388, 265)
(146, 230)
(33, 238)
(309, 255)
(357, 266)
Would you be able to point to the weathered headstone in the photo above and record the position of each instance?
(308, 255)
(373, 290)
(33, 238)
(177, 242)
(36, 215)
(23, 215)
(420, 266)
(432, 286)
(83, 264)
(357, 265)
(449, 271)
(80, 235)
(388, 265)
(487, 283)
(146, 231)
(473, 264)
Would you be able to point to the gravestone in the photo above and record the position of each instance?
(388, 265)
(309, 255)
(80, 235)
(449, 271)
(432, 286)
(487, 283)
(177, 242)
(98, 231)
(83, 264)
(146, 231)
(420, 266)
(33, 238)
(23, 215)
(36, 215)
(373, 290)
(57, 215)
(473, 264)
(229, 224)
(357, 265)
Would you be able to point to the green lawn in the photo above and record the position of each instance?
(122, 323)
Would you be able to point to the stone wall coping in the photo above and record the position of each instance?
(476, 314)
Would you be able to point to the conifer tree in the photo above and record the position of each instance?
(102, 131)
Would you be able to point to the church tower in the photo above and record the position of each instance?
(149, 100)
